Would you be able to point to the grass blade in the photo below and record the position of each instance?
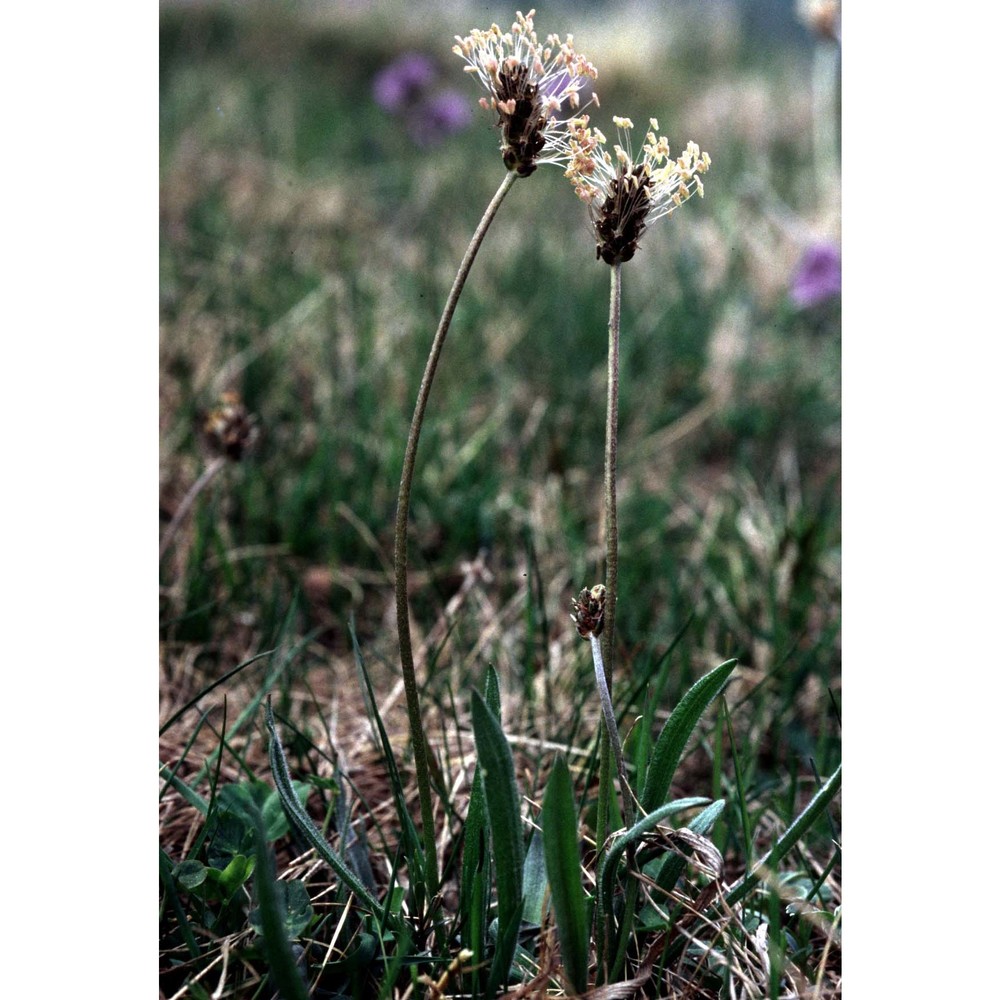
(676, 733)
(808, 816)
(211, 687)
(741, 795)
(413, 850)
(562, 861)
(504, 812)
(187, 792)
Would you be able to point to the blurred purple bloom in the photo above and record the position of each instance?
(817, 278)
(400, 84)
(439, 116)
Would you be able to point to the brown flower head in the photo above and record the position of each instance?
(529, 83)
(230, 429)
(589, 611)
(627, 195)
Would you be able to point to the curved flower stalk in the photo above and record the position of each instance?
(529, 83)
(625, 195)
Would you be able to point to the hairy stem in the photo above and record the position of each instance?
(611, 542)
(611, 475)
(402, 523)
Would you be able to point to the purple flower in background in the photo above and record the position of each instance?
(407, 87)
(401, 83)
(817, 278)
(439, 116)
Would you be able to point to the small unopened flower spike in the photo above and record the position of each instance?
(530, 83)
(230, 429)
(625, 194)
(589, 611)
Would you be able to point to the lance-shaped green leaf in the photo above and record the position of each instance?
(475, 877)
(504, 812)
(300, 818)
(493, 690)
(274, 934)
(562, 862)
(535, 882)
(670, 745)
(475, 892)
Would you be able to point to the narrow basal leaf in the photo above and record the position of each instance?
(670, 745)
(284, 972)
(475, 877)
(305, 826)
(493, 690)
(562, 862)
(476, 858)
(612, 856)
(535, 882)
(504, 812)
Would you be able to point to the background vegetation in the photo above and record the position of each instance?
(308, 240)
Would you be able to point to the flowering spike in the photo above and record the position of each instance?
(626, 195)
(529, 83)
(230, 429)
(589, 611)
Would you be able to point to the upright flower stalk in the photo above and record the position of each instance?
(625, 195)
(528, 82)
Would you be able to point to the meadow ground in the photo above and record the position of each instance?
(311, 225)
